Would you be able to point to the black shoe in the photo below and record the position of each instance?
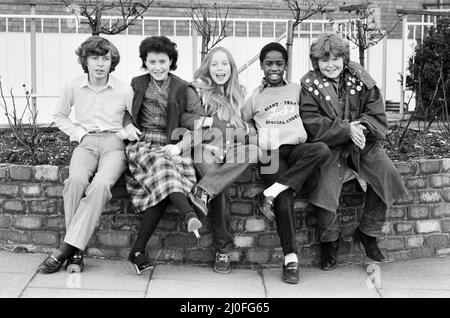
(199, 199)
(141, 263)
(266, 207)
(75, 263)
(193, 223)
(370, 245)
(290, 273)
(222, 263)
(51, 265)
(328, 259)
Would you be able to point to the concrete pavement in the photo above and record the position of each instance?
(426, 277)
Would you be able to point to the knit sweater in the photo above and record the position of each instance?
(275, 112)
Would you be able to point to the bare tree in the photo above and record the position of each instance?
(365, 28)
(304, 9)
(127, 11)
(210, 22)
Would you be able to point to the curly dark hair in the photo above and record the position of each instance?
(158, 44)
(97, 46)
(273, 46)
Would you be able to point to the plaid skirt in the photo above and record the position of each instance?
(153, 175)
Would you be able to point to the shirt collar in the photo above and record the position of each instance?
(85, 81)
(264, 84)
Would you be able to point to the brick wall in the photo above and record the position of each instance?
(32, 219)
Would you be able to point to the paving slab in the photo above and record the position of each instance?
(11, 262)
(180, 281)
(345, 281)
(98, 274)
(79, 293)
(410, 293)
(418, 274)
(12, 284)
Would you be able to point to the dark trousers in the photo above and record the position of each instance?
(371, 223)
(295, 164)
(216, 175)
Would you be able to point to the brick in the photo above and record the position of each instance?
(241, 208)
(168, 222)
(446, 226)
(415, 183)
(3, 172)
(13, 235)
(436, 240)
(237, 225)
(177, 240)
(429, 196)
(9, 190)
(421, 252)
(439, 181)
(200, 255)
(403, 227)
(255, 225)
(391, 244)
(31, 190)
(446, 194)
(352, 200)
(20, 173)
(166, 254)
(206, 240)
(114, 238)
(301, 205)
(252, 192)
(235, 256)
(445, 165)
(443, 251)
(302, 237)
(347, 215)
(269, 240)
(55, 222)
(243, 241)
(397, 212)
(430, 166)
(30, 222)
(45, 238)
(405, 199)
(43, 206)
(418, 212)
(428, 226)
(441, 210)
(113, 206)
(405, 168)
(100, 252)
(46, 173)
(54, 191)
(64, 173)
(232, 192)
(14, 206)
(414, 241)
(260, 256)
(5, 220)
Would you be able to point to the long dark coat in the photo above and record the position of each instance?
(327, 115)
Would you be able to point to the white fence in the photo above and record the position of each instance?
(57, 38)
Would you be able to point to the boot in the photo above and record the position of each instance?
(370, 245)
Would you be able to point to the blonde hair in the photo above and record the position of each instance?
(226, 104)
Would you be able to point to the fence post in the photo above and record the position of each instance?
(404, 39)
(289, 41)
(33, 57)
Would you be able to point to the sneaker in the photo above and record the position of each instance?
(199, 199)
(193, 223)
(222, 263)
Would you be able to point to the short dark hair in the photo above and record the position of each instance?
(326, 44)
(98, 46)
(158, 44)
(273, 46)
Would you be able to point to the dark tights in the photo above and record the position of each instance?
(151, 217)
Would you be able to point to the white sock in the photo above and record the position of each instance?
(275, 189)
(289, 258)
